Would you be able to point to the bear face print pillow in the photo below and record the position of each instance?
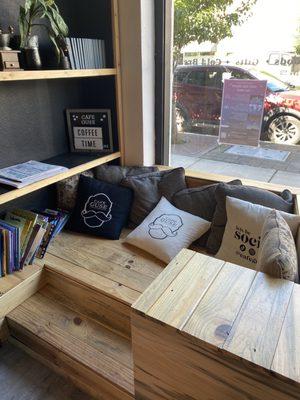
(102, 209)
(167, 230)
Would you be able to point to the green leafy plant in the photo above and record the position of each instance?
(42, 13)
(207, 20)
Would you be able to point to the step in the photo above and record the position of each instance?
(75, 345)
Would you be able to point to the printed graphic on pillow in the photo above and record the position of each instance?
(167, 225)
(97, 210)
(248, 244)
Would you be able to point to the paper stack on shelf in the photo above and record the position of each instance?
(24, 174)
(86, 53)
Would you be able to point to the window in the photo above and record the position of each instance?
(237, 42)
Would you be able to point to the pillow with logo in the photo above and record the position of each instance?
(241, 242)
(282, 202)
(167, 230)
(102, 209)
(149, 188)
(115, 174)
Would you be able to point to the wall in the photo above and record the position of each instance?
(137, 46)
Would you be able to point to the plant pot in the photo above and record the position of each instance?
(64, 63)
(4, 41)
(33, 58)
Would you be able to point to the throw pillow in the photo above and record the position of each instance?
(149, 188)
(167, 230)
(101, 209)
(278, 255)
(241, 242)
(284, 202)
(66, 191)
(199, 201)
(114, 173)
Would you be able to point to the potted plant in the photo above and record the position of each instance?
(41, 13)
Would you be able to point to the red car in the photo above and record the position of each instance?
(198, 91)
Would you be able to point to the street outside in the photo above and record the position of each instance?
(199, 152)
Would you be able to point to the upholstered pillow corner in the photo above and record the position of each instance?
(278, 255)
(149, 188)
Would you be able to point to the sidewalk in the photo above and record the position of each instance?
(202, 153)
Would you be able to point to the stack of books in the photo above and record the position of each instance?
(25, 235)
(86, 53)
(24, 174)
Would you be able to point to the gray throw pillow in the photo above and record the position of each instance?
(278, 255)
(246, 193)
(66, 191)
(149, 188)
(114, 173)
(199, 201)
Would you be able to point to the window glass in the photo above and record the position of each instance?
(246, 40)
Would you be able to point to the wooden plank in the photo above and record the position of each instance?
(82, 376)
(170, 365)
(115, 251)
(117, 64)
(100, 308)
(102, 260)
(286, 360)
(255, 332)
(22, 291)
(162, 282)
(7, 76)
(297, 205)
(10, 281)
(79, 338)
(183, 295)
(212, 319)
(93, 281)
(14, 194)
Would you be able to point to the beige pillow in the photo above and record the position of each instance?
(242, 237)
(278, 255)
(167, 230)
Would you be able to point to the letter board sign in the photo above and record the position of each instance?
(90, 130)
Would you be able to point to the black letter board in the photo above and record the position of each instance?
(90, 130)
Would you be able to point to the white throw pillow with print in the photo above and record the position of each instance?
(241, 240)
(167, 230)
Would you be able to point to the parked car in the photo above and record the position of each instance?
(198, 91)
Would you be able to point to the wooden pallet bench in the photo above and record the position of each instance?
(207, 329)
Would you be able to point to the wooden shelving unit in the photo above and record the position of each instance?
(56, 74)
(12, 194)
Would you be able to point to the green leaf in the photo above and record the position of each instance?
(58, 21)
(23, 26)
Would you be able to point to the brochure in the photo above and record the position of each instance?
(21, 175)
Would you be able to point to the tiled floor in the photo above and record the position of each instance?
(203, 153)
(23, 378)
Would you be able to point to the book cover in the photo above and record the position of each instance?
(31, 219)
(34, 242)
(14, 259)
(71, 53)
(75, 52)
(21, 222)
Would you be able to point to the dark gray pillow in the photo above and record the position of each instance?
(114, 173)
(246, 193)
(199, 201)
(149, 188)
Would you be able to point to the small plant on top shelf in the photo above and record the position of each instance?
(41, 13)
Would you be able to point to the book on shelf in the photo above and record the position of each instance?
(25, 235)
(24, 174)
(86, 53)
